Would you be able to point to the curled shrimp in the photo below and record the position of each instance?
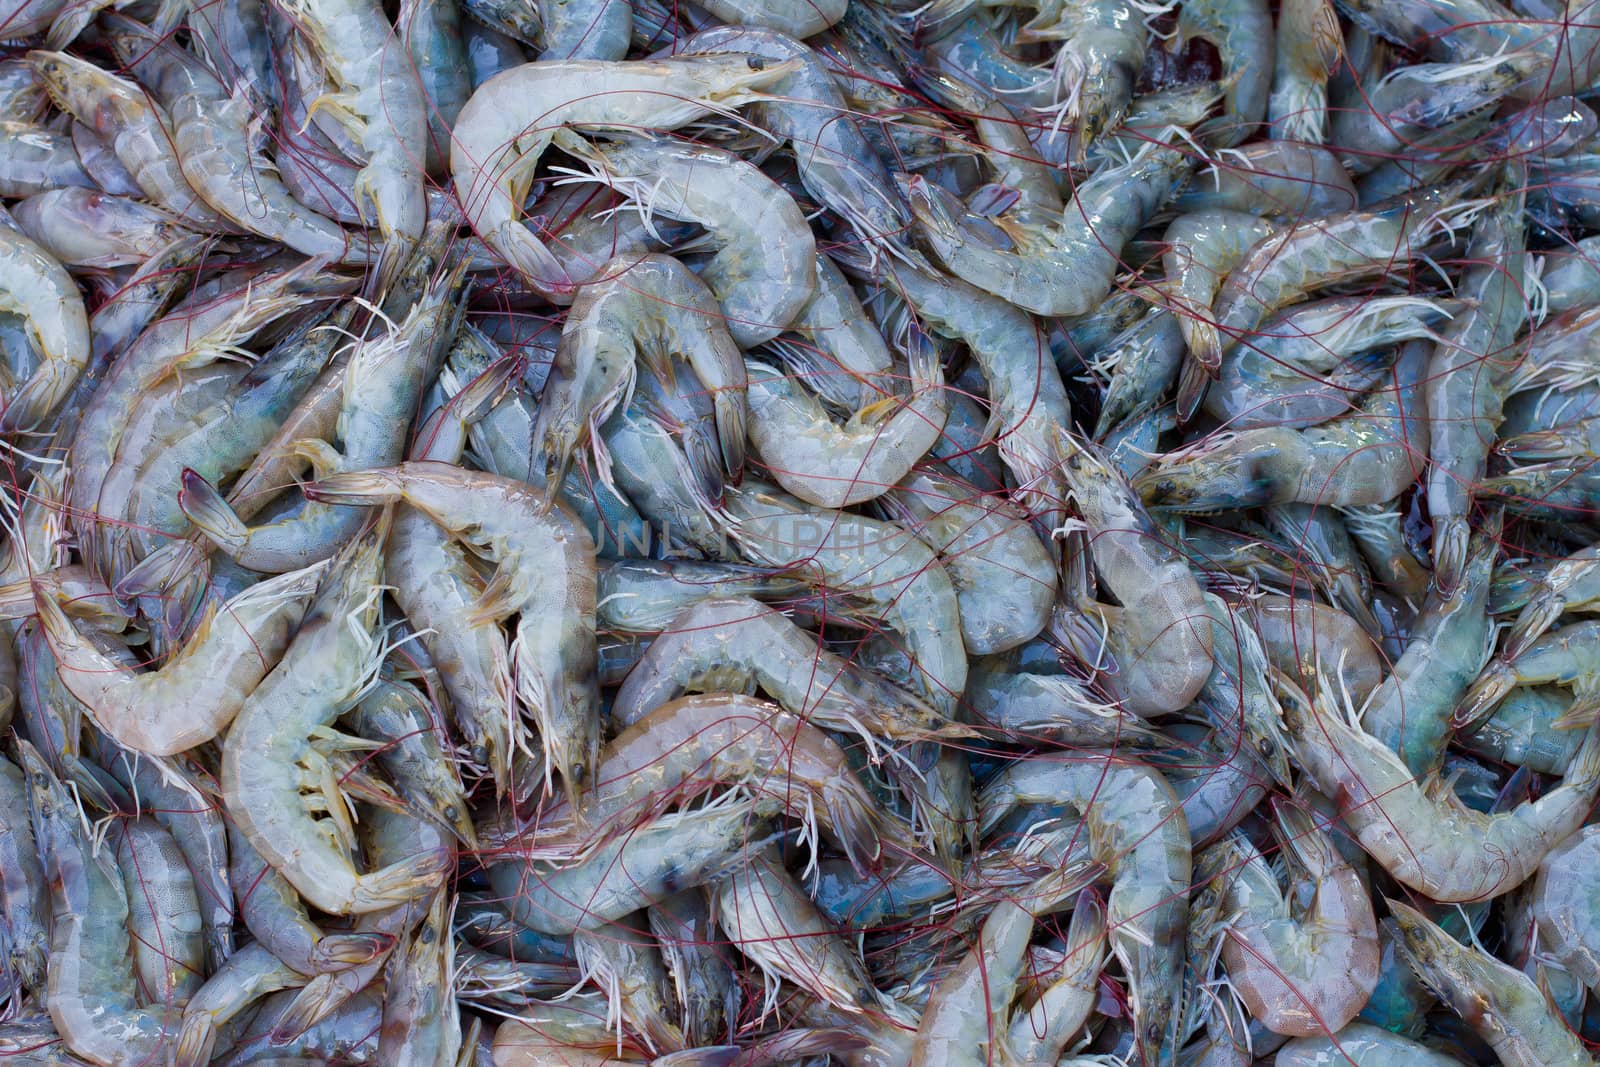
(641, 307)
(271, 753)
(1159, 631)
(233, 648)
(1301, 970)
(833, 465)
(880, 562)
(719, 643)
(696, 740)
(1368, 457)
(1420, 832)
(1135, 826)
(545, 573)
(504, 128)
(762, 267)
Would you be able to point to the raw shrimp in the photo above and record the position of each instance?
(545, 573)
(720, 643)
(1499, 1002)
(763, 253)
(1158, 633)
(879, 562)
(1569, 656)
(1135, 826)
(646, 308)
(505, 126)
(767, 916)
(1309, 48)
(271, 752)
(833, 465)
(1063, 267)
(695, 741)
(1301, 970)
(1368, 457)
(92, 991)
(234, 647)
(1360, 1045)
(1420, 832)
(38, 289)
(1410, 712)
(1003, 574)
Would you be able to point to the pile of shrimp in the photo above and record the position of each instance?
(864, 532)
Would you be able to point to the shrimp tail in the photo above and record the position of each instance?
(338, 952)
(207, 509)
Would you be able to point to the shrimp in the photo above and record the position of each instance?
(38, 289)
(762, 266)
(879, 562)
(830, 465)
(24, 893)
(233, 649)
(625, 962)
(643, 596)
(1242, 33)
(627, 871)
(92, 992)
(1301, 970)
(1303, 638)
(1368, 457)
(1309, 47)
(842, 357)
(720, 643)
(1569, 585)
(642, 307)
(401, 719)
(201, 335)
(219, 159)
(1027, 398)
(1004, 577)
(1410, 711)
(804, 107)
(545, 573)
(421, 1025)
(495, 147)
(1135, 826)
(383, 383)
(1158, 633)
(1343, 248)
(381, 105)
(1361, 1045)
(1309, 364)
(695, 741)
(1202, 247)
(1065, 266)
(966, 1015)
(81, 228)
(1499, 1002)
(1278, 179)
(767, 916)
(1463, 396)
(1566, 657)
(1419, 831)
(270, 755)
(248, 975)
(277, 918)
(1143, 360)
(163, 914)
(797, 18)
(136, 127)
(1041, 1031)
(708, 991)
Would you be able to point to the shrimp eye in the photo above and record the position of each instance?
(756, 63)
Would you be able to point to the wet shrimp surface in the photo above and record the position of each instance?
(879, 533)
